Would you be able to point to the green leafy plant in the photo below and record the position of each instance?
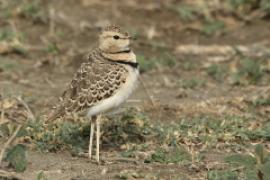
(256, 164)
(31, 9)
(52, 48)
(262, 102)
(16, 156)
(216, 71)
(172, 155)
(249, 71)
(146, 64)
(58, 136)
(7, 34)
(131, 127)
(211, 27)
(186, 13)
(262, 133)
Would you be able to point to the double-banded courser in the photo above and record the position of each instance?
(102, 83)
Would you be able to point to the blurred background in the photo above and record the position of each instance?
(198, 59)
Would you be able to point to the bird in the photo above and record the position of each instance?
(102, 83)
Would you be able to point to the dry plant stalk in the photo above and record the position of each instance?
(147, 92)
(10, 140)
(30, 113)
(13, 136)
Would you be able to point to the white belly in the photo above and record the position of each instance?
(119, 97)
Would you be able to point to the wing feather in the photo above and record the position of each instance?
(94, 81)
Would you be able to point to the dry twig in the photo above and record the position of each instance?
(6, 145)
(13, 136)
(147, 92)
(30, 113)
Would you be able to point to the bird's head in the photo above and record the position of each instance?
(113, 40)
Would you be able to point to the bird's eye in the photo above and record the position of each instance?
(116, 37)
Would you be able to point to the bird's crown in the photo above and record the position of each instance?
(114, 28)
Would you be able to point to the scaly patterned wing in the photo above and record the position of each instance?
(93, 82)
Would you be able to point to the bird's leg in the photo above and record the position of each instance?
(98, 136)
(92, 129)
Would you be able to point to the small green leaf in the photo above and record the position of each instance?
(16, 156)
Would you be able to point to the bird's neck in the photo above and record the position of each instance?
(127, 56)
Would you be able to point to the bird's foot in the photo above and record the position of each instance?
(93, 160)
